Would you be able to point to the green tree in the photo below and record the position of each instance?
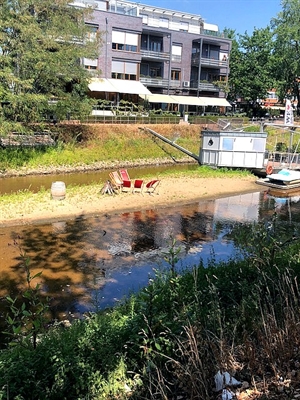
(287, 50)
(42, 43)
(251, 66)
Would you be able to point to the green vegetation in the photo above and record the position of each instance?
(87, 145)
(172, 337)
(41, 43)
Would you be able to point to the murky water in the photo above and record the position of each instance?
(90, 263)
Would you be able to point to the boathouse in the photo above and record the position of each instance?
(233, 149)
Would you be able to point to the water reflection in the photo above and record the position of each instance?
(91, 263)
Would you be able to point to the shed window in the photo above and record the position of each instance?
(227, 144)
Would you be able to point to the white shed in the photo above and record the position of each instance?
(233, 149)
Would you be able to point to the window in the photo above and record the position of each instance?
(176, 52)
(155, 72)
(90, 64)
(152, 43)
(124, 70)
(92, 32)
(258, 145)
(124, 41)
(227, 144)
(175, 75)
(210, 51)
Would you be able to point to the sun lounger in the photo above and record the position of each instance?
(151, 186)
(124, 175)
(126, 187)
(138, 186)
(116, 180)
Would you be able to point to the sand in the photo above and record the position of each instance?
(40, 207)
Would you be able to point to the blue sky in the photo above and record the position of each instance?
(240, 15)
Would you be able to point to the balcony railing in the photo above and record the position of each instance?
(148, 81)
(209, 62)
(204, 86)
(156, 55)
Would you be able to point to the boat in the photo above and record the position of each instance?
(285, 180)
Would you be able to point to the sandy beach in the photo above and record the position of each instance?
(87, 200)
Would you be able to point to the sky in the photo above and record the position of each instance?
(240, 15)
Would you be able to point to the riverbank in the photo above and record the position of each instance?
(28, 208)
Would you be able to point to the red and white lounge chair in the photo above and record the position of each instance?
(126, 187)
(124, 175)
(138, 186)
(116, 180)
(151, 186)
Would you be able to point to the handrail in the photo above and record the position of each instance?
(170, 142)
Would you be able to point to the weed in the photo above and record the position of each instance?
(28, 312)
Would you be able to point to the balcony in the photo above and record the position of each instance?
(154, 55)
(205, 86)
(159, 82)
(209, 62)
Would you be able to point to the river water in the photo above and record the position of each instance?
(91, 263)
(34, 183)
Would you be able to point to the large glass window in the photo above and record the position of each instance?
(124, 41)
(210, 51)
(155, 72)
(152, 43)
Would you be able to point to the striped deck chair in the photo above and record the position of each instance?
(116, 180)
(124, 175)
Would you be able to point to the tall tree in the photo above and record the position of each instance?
(41, 44)
(287, 50)
(251, 63)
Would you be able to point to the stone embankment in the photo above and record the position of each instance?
(98, 166)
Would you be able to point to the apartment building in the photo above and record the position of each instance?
(157, 54)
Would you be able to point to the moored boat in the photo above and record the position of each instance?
(285, 179)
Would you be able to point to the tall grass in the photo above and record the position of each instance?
(95, 144)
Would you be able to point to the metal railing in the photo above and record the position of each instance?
(132, 119)
(157, 55)
(209, 61)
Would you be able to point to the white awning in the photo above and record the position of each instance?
(117, 86)
(158, 98)
(274, 108)
(101, 85)
(188, 100)
(131, 87)
(214, 101)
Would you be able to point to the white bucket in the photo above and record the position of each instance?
(58, 190)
